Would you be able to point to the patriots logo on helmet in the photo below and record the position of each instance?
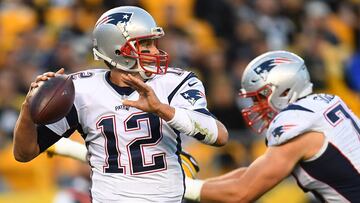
(278, 131)
(192, 95)
(266, 66)
(115, 18)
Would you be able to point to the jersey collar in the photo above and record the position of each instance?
(120, 90)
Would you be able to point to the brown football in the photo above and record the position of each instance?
(52, 99)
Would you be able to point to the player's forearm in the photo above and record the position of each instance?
(223, 135)
(237, 173)
(194, 188)
(165, 111)
(214, 131)
(229, 190)
(224, 191)
(25, 137)
(200, 126)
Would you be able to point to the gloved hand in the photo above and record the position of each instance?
(189, 165)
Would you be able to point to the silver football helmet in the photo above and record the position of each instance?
(116, 38)
(273, 80)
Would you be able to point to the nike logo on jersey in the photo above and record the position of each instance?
(192, 84)
(121, 107)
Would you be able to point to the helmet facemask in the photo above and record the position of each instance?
(259, 113)
(148, 62)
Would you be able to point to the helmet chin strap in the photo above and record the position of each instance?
(98, 55)
(142, 73)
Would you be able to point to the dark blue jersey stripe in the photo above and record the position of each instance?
(73, 121)
(206, 112)
(46, 137)
(335, 170)
(172, 94)
(296, 107)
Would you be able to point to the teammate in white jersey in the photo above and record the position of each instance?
(130, 116)
(314, 137)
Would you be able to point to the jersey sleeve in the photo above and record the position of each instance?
(289, 124)
(51, 133)
(190, 94)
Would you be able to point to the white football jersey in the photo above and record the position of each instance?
(134, 155)
(333, 174)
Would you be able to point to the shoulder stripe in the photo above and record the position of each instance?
(73, 121)
(172, 94)
(46, 137)
(206, 112)
(297, 107)
(72, 118)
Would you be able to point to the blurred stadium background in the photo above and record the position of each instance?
(214, 38)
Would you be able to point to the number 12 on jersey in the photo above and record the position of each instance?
(135, 150)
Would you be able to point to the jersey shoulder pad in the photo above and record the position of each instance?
(86, 76)
(175, 75)
(178, 82)
(85, 82)
(292, 121)
(90, 74)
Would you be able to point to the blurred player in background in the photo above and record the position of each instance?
(314, 137)
(131, 117)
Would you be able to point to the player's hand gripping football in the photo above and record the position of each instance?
(147, 101)
(40, 78)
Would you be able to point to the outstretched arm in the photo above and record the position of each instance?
(262, 175)
(186, 121)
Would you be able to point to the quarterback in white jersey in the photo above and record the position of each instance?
(314, 137)
(130, 116)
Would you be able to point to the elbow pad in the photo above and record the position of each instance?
(202, 127)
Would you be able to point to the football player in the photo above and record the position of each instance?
(130, 116)
(314, 137)
(75, 150)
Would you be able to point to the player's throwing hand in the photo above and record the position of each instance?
(147, 101)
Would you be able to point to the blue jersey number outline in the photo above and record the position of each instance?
(135, 150)
(334, 116)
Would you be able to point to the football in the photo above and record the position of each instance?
(52, 99)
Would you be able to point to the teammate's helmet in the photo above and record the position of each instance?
(116, 39)
(273, 80)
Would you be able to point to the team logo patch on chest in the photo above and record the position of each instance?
(192, 95)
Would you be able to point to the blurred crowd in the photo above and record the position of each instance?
(213, 38)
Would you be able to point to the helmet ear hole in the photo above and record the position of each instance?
(285, 93)
(117, 52)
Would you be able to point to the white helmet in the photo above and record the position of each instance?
(273, 80)
(116, 39)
